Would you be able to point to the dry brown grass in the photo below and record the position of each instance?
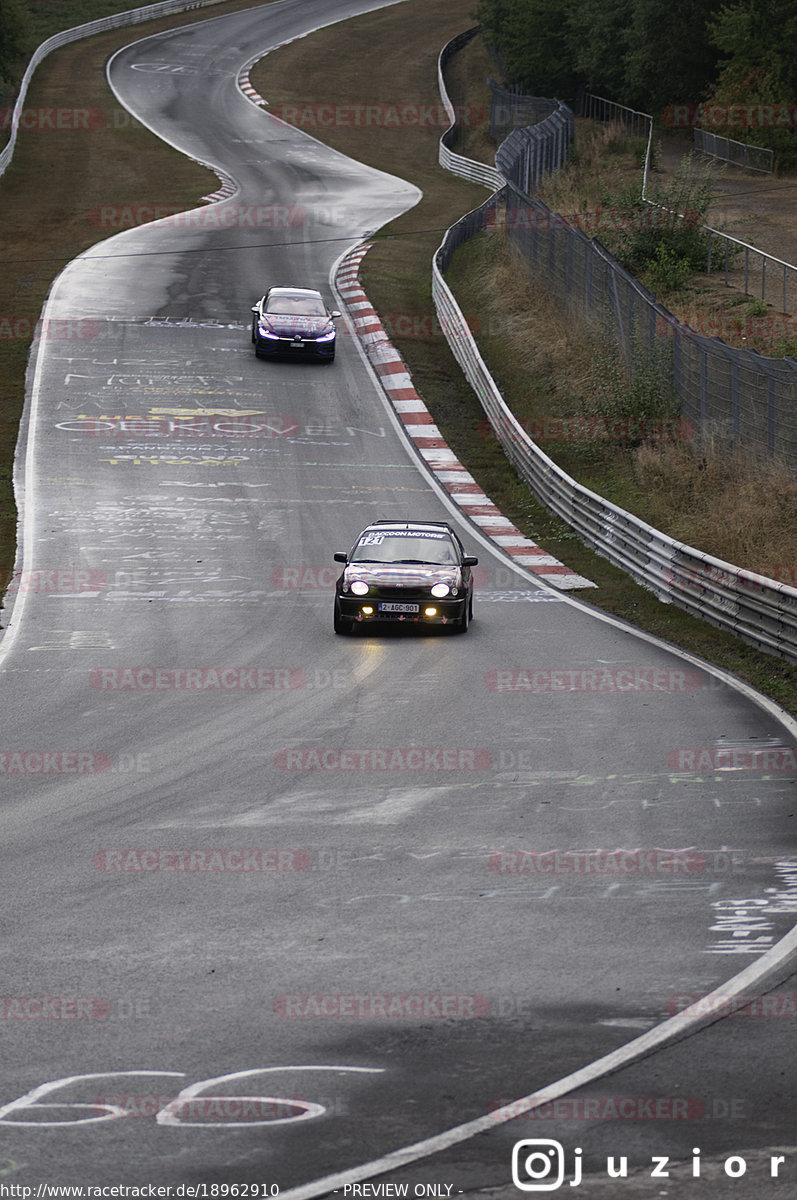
(550, 364)
(737, 508)
(605, 164)
(746, 513)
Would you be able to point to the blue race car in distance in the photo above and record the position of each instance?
(294, 322)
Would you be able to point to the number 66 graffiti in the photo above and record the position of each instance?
(170, 1114)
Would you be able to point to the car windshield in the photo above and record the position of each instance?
(296, 305)
(436, 548)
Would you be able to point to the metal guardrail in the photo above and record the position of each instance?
(116, 21)
(750, 605)
(526, 155)
(741, 154)
(753, 607)
(465, 168)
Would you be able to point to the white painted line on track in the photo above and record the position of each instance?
(770, 967)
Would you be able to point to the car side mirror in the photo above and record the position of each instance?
(470, 561)
(334, 313)
(340, 557)
(255, 308)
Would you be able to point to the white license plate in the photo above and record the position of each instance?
(400, 608)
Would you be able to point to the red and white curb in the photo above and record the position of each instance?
(245, 85)
(421, 429)
(228, 186)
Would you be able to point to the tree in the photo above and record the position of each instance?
(754, 98)
(16, 38)
(600, 32)
(671, 58)
(532, 41)
(759, 35)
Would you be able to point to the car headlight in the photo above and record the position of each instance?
(440, 589)
(360, 587)
(326, 337)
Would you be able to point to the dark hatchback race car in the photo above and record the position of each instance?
(294, 322)
(407, 571)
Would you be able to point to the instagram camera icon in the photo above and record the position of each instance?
(538, 1165)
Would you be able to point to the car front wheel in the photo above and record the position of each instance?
(342, 624)
(464, 621)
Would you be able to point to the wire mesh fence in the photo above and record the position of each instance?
(527, 155)
(756, 608)
(741, 154)
(512, 109)
(736, 397)
(732, 396)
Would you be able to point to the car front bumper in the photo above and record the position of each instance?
(290, 348)
(427, 611)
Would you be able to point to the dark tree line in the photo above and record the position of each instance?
(16, 39)
(656, 54)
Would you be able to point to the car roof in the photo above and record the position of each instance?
(436, 526)
(294, 291)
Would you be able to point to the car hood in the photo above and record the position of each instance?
(402, 574)
(291, 325)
